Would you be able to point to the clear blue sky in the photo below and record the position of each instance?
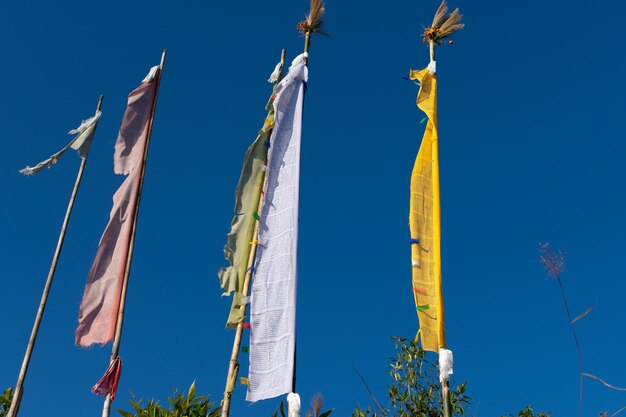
(532, 150)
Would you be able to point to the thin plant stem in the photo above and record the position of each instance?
(578, 351)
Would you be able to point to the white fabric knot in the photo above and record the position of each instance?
(151, 74)
(300, 59)
(446, 362)
(293, 402)
(432, 67)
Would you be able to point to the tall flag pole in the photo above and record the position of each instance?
(81, 143)
(273, 289)
(425, 208)
(274, 285)
(242, 242)
(101, 312)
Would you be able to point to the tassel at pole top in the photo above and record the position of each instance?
(443, 26)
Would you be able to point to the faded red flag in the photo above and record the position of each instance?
(109, 381)
(97, 318)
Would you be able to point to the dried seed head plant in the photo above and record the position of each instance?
(552, 261)
(554, 264)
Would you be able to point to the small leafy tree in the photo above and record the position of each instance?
(181, 405)
(415, 390)
(5, 401)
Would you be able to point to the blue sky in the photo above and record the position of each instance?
(531, 146)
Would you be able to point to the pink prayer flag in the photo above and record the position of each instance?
(97, 318)
(131, 141)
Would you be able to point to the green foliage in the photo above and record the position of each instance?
(415, 390)
(528, 412)
(5, 401)
(181, 405)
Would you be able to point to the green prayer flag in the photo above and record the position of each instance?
(237, 249)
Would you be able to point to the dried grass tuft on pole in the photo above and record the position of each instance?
(314, 21)
(444, 24)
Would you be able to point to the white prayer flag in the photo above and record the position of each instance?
(273, 306)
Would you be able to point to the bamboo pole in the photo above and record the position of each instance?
(19, 386)
(233, 366)
(106, 408)
(307, 46)
(445, 387)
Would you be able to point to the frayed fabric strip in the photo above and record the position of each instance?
(275, 74)
(80, 143)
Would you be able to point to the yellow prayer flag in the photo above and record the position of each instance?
(425, 221)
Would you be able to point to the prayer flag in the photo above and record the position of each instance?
(101, 301)
(273, 305)
(81, 143)
(425, 220)
(247, 197)
(107, 385)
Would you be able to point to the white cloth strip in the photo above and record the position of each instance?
(273, 312)
(446, 362)
(293, 405)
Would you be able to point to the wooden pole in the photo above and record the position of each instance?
(19, 386)
(234, 356)
(120, 314)
(431, 46)
(445, 387)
